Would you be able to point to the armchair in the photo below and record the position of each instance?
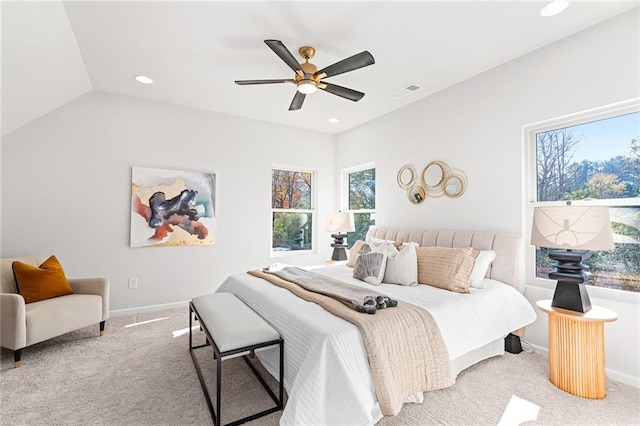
(24, 324)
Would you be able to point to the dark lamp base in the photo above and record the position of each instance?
(571, 296)
(571, 273)
(339, 252)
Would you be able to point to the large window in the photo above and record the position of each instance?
(292, 204)
(594, 159)
(360, 194)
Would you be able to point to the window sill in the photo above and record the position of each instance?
(289, 253)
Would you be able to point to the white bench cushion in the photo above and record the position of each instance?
(231, 323)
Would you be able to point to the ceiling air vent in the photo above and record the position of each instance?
(401, 93)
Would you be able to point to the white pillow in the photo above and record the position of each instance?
(480, 267)
(402, 266)
(377, 241)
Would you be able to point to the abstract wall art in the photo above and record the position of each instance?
(172, 207)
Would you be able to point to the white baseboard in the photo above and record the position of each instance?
(148, 308)
(615, 375)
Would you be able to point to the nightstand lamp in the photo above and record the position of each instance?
(339, 224)
(575, 230)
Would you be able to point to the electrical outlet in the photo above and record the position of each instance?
(133, 282)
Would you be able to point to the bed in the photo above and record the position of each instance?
(327, 375)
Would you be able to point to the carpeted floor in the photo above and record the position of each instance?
(141, 373)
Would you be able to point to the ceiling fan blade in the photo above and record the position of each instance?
(245, 82)
(354, 62)
(297, 101)
(284, 54)
(343, 92)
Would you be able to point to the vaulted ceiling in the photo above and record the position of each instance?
(53, 52)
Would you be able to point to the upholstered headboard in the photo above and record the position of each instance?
(505, 267)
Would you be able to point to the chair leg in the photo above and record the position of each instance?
(16, 358)
(102, 328)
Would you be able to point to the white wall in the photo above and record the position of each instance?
(66, 190)
(476, 126)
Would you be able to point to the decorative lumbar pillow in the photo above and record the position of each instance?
(43, 282)
(402, 266)
(448, 268)
(484, 259)
(370, 264)
(354, 252)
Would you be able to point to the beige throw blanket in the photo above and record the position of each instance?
(405, 348)
(353, 296)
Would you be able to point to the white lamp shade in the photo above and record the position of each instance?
(340, 222)
(572, 227)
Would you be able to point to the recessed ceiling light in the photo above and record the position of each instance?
(554, 7)
(333, 120)
(143, 79)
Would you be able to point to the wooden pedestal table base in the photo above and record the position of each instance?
(576, 349)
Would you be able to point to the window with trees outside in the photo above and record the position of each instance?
(360, 198)
(291, 210)
(594, 159)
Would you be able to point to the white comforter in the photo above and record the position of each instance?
(327, 375)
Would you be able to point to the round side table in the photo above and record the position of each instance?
(576, 349)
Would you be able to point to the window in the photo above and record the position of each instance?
(360, 194)
(594, 159)
(292, 211)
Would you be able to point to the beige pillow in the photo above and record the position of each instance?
(448, 268)
(353, 253)
(377, 241)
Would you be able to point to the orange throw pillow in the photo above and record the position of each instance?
(40, 283)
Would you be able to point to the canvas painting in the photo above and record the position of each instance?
(172, 208)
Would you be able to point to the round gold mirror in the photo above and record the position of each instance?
(406, 176)
(455, 184)
(433, 174)
(416, 194)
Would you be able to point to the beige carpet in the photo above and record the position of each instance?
(141, 373)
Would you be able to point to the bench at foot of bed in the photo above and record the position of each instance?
(232, 328)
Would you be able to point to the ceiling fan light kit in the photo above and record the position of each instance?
(307, 77)
(306, 86)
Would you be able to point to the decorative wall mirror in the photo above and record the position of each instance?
(406, 176)
(437, 179)
(455, 184)
(416, 194)
(434, 174)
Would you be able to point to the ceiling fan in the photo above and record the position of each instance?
(308, 78)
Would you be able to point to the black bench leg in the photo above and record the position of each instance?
(218, 390)
(102, 323)
(16, 358)
(512, 344)
(281, 403)
(190, 330)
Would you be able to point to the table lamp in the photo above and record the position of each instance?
(575, 230)
(339, 224)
